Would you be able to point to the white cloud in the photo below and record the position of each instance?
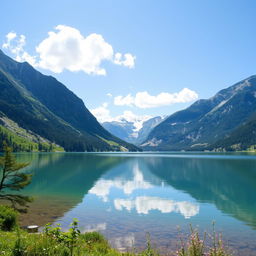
(126, 60)
(15, 44)
(69, 49)
(144, 204)
(145, 100)
(128, 100)
(10, 36)
(102, 113)
(66, 48)
(109, 95)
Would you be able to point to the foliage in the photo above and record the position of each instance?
(93, 237)
(242, 138)
(8, 218)
(54, 242)
(195, 246)
(12, 177)
(19, 248)
(69, 239)
(22, 144)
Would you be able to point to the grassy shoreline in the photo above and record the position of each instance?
(54, 242)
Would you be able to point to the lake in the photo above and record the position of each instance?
(126, 195)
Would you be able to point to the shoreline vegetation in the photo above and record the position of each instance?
(52, 241)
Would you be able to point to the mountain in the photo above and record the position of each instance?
(242, 138)
(23, 140)
(122, 129)
(226, 119)
(132, 131)
(147, 127)
(44, 106)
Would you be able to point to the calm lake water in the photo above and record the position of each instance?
(124, 196)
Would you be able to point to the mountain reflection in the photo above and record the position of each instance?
(60, 182)
(230, 184)
(141, 185)
(69, 175)
(137, 177)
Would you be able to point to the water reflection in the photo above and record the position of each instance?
(60, 182)
(123, 196)
(144, 204)
(103, 186)
(123, 242)
(133, 180)
(230, 184)
(94, 227)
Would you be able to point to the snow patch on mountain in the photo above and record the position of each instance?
(132, 128)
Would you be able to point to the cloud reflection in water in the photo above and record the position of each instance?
(102, 187)
(144, 204)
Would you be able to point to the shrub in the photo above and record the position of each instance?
(94, 237)
(195, 246)
(19, 246)
(8, 218)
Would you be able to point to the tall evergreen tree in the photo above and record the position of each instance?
(13, 178)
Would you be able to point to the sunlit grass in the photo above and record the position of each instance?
(53, 242)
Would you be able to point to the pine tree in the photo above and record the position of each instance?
(12, 178)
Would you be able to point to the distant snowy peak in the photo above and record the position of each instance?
(134, 129)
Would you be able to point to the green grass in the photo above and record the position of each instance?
(25, 141)
(54, 242)
(115, 146)
(22, 243)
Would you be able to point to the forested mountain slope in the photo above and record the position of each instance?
(41, 104)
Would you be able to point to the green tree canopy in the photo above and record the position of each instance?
(13, 178)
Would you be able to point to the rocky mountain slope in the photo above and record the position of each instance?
(218, 123)
(130, 131)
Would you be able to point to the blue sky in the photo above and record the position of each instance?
(203, 46)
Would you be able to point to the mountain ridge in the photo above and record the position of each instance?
(45, 106)
(206, 121)
(131, 131)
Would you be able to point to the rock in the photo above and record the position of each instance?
(32, 229)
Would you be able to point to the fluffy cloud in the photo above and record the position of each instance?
(126, 60)
(144, 204)
(10, 36)
(145, 100)
(15, 44)
(66, 48)
(102, 113)
(128, 100)
(69, 49)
